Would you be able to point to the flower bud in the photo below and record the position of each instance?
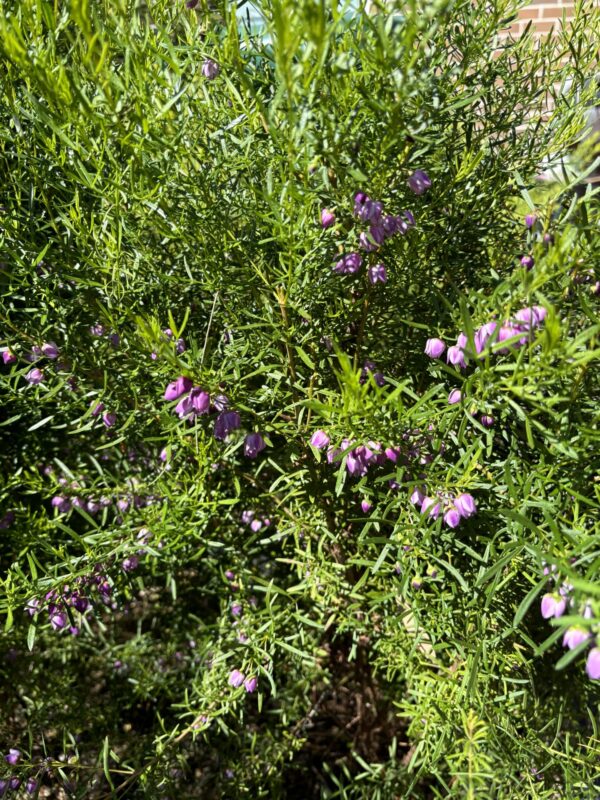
(419, 182)
(434, 348)
(327, 218)
(236, 678)
(210, 69)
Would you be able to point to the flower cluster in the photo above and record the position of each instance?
(381, 227)
(555, 603)
(237, 678)
(194, 401)
(255, 521)
(522, 325)
(453, 507)
(516, 332)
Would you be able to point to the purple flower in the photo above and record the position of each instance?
(530, 220)
(434, 348)
(369, 210)
(13, 756)
(419, 182)
(236, 678)
(31, 786)
(210, 69)
(553, 605)
(221, 402)
(327, 218)
(574, 637)
(191, 4)
(456, 357)
(319, 439)
(465, 505)
(33, 606)
(377, 274)
(540, 314)
(256, 525)
(452, 517)
(3, 787)
(58, 620)
(97, 407)
(236, 610)
(483, 335)
(417, 497)
(109, 418)
(253, 444)
(431, 505)
(34, 376)
(8, 356)
(592, 666)
(507, 332)
(199, 400)
(61, 504)
(366, 243)
(454, 397)
(175, 389)
(527, 262)
(251, 684)
(349, 264)
(114, 339)
(130, 564)
(97, 329)
(225, 423)
(14, 783)
(123, 505)
(180, 346)
(50, 350)
(366, 506)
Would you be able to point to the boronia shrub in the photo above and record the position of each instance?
(300, 477)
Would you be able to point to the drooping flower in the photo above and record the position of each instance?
(432, 506)
(483, 335)
(58, 620)
(452, 517)
(553, 605)
(31, 786)
(253, 444)
(109, 418)
(434, 348)
(327, 218)
(130, 564)
(34, 376)
(487, 421)
(225, 423)
(8, 356)
(251, 684)
(527, 262)
(175, 389)
(319, 439)
(419, 182)
(592, 666)
(530, 220)
(456, 357)
(236, 678)
(97, 407)
(61, 504)
(13, 756)
(50, 349)
(366, 506)
(454, 397)
(210, 69)
(465, 505)
(417, 497)
(348, 264)
(574, 637)
(507, 332)
(377, 274)
(200, 401)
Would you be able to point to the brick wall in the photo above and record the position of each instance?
(543, 15)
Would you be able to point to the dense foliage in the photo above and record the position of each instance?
(299, 475)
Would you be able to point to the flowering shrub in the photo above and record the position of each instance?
(299, 490)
